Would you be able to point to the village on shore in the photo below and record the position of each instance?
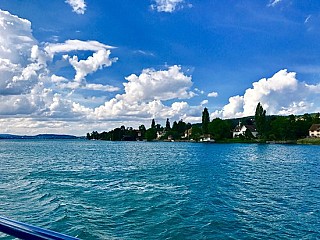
(261, 128)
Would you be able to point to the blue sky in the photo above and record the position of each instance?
(81, 65)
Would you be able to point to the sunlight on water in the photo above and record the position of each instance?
(140, 190)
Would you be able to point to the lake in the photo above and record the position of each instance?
(159, 190)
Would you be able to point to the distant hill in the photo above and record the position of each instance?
(39, 136)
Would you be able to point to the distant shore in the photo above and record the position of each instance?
(39, 136)
(305, 141)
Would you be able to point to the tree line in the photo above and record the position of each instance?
(269, 128)
(283, 127)
(155, 131)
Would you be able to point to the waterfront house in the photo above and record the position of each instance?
(207, 138)
(240, 130)
(187, 133)
(160, 134)
(314, 131)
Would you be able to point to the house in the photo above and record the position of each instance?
(241, 130)
(206, 138)
(187, 133)
(160, 134)
(314, 131)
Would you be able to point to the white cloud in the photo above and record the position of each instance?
(213, 94)
(199, 91)
(273, 3)
(169, 6)
(75, 45)
(13, 105)
(97, 61)
(204, 102)
(20, 67)
(45, 101)
(144, 95)
(307, 19)
(158, 85)
(281, 94)
(100, 87)
(78, 6)
(27, 87)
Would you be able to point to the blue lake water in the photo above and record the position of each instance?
(142, 190)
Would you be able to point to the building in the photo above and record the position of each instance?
(241, 130)
(160, 134)
(314, 131)
(187, 133)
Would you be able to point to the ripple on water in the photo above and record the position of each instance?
(102, 190)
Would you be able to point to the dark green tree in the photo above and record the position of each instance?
(158, 127)
(182, 127)
(260, 119)
(142, 130)
(220, 129)
(175, 126)
(316, 119)
(167, 125)
(95, 135)
(196, 132)
(153, 124)
(205, 121)
(89, 136)
(291, 127)
(151, 134)
(278, 128)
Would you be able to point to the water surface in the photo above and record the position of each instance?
(141, 190)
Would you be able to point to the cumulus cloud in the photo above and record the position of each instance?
(280, 94)
(78, 6)
(97, 61)
(213, 94)
(20, 66)
(158, 85)
(27, 87)
(169, 6)
(32, 91)
(144, 96)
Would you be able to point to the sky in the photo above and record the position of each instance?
(77, 66)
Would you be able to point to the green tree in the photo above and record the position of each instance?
(175, 126)
(316, 119)
(220, 129)
(182, 127)
(151, 134)
(278, 128)
(291, 127)
(89, 136)
(142, 130)
(167, 125)
(153, 124)
(196, 132)
(205, 121)
(260, 119)
(248, 135)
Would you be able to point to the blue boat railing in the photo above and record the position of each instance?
(27, 231)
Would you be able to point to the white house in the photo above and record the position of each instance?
(314, 130)
(241, 130)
